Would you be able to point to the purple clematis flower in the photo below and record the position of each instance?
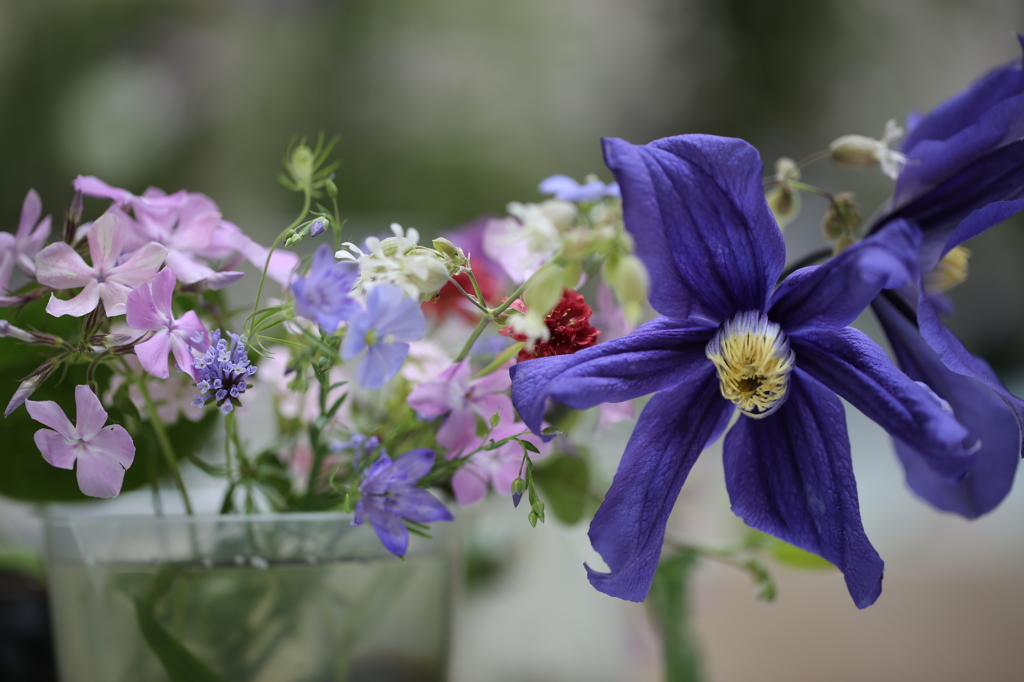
(102, 452)
(731, 339)
(323, 295)
(59, 266)
(389, 495)
(456, 392)
(384, 330)
(965, 174)
(149, 308)
(565, 188)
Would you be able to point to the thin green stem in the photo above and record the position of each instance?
(307, 197)
(165, 444)
(476, 287)
(510, 300)
(469, 298)
(464, 353)
(803, 187)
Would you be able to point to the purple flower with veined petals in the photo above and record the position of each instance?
(149, 308)
(730, 339)
(323, 294)
(457, 393)
(965, 173)
(565, 188)
(102, 452)
(60, 267)
(222, 371)
(384, 330)
(389, 496)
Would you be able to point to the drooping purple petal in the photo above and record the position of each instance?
(390, 529)
(695, 205)
(790, 475)
(629, 527)
(89, 413)
(856, 368)
(983, 411)
(832, 295)
(659, 354)
(91, 186)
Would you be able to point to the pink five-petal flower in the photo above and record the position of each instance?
(496, 468)
(149, 308)
(103, 452)
(31, 234)
(455, 391)
(59, 266)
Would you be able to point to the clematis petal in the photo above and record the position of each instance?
(153, 354)
(89, 413)
(60, 267)
(390, 529)
(658, 355)
(629, 527)
(106, 241)
(975, 405)
(140, 266)
(381, 362)
(791, 476)
(82, 304)
(55, 448)
(49, 413)
(695, 205)
(420, 506)
(856, 368)
(832, 295)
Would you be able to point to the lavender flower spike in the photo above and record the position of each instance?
(222, 371)
(384, 330)
(323, 294)
(102, 452)
(731, 339)
(389, 495)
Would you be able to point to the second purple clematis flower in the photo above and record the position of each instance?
(389, 496)
(149, 308)
(730, 339)
(323, 294)
(60, 267)
(102, 452)
(383, 330)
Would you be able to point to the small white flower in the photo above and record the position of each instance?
(536, 234)
(399, 260)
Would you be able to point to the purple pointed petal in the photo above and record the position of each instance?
(629, 527)
(832, 295)
(92, 186)
(140, 266)
(153, 354)
(56, 450)
(413, 465)
(186, 269)
(89, 413)
(390, 529)
(975, 405)
(381, 362)
(49, 413)
(163, 291)
(657, 355)
(82, 304)
(60, 267)
(790, 475)
(856, 368)
(141, 310)
(695, 205)
(420, 506)
(31, 209)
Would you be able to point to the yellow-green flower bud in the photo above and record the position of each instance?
(544, 290)
(841, 217)
(301, 165)
(951, 271)
(332, 189)
(855, 151)
(784, 201)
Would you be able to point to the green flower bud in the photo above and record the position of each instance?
(784, 201)
(841, 216)
(532, 518)
(544, 290)
(518, 486)
(332, 189)
(855, 151)
(538, 507)
(301, 165)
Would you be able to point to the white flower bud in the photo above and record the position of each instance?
(544, 291)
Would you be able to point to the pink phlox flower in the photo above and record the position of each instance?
(495, 468)
(32, 233)
(59, 266)
(149, 308)
(102, 452)
(455, 392)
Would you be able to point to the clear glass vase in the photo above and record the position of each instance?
(260, 598)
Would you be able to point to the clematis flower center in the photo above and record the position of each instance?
(754, 360)
(951, 271)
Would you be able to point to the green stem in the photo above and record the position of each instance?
(510, 300)
(804, 187)
(307, 197)
(476, 287)
(464, 353)
(165, 444)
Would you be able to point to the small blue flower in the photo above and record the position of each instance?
(317, 227)
(384, 330)
(323, 294)
(359, 444)
(222, 371)
(567, 189)
(389, 496)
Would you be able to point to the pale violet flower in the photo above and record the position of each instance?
(523, 243)
(566, 189)
(383, 330)
(149, 308)
(102, 452)
(323, 295)
(60, 267)
(398, 260)
(463, 398)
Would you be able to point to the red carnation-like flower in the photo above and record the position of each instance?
(569, 325)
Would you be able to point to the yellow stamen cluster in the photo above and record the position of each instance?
(754, 360)
(951, 271)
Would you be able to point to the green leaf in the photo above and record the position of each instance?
(565, 482)
(796, 558)
(668, 604)
(179, 663)
(528, 446)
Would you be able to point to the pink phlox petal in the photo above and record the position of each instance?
(469, 484)
(140, 267)
(458, 430)
(82, 304)
(115, 298)
(195, 235)
(282, 263)
(6, 265)
(186, 268)
(91, 186)
(142, 310)
(106, 241)
(56, 449)
(221, 244)
(153, 354)
(31, 209)
(488, 405)
(30, 247)
(610, 413)
(497, 381)
(102, 463)
(49, 413)
(89, 413)
(59, 266)
(163, 291)
(431, 399)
